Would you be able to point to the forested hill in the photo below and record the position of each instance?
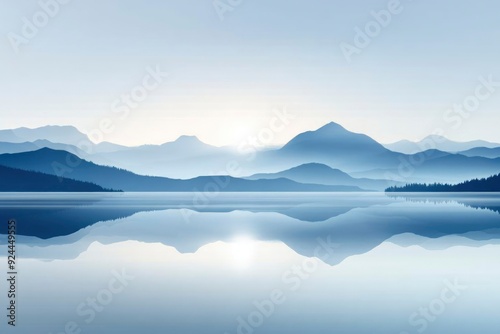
(17, 180)
(490, 184)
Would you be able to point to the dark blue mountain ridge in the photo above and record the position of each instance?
(8, 147)
(65, 164)
(17, 180)
(177, 159)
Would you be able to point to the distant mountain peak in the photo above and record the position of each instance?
(313, 166)
(186, 141)
(330, 135)
(332, 125)
(48, 149)
(436, 137)
(43, 127)
(186, 138)
(58, 127)
(64, 128)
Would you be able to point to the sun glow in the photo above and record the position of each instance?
(243, 252)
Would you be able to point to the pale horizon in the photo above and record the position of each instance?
(219, 79)
(234, 144)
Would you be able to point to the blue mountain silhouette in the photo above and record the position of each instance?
(65, 164)
(362, 157)
(332, 141)
(8, 147)
(485, 152)
(323, 174)
(332, 145)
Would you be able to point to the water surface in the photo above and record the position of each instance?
(256, 262)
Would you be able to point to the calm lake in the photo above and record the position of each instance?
(272, 263)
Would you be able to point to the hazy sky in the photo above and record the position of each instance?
(226, 76)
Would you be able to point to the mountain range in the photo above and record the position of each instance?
(362, 157)
(438, 143)
(56, 135)
(66, 165)
(485, 152)
(330, 158)
(323, 174)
